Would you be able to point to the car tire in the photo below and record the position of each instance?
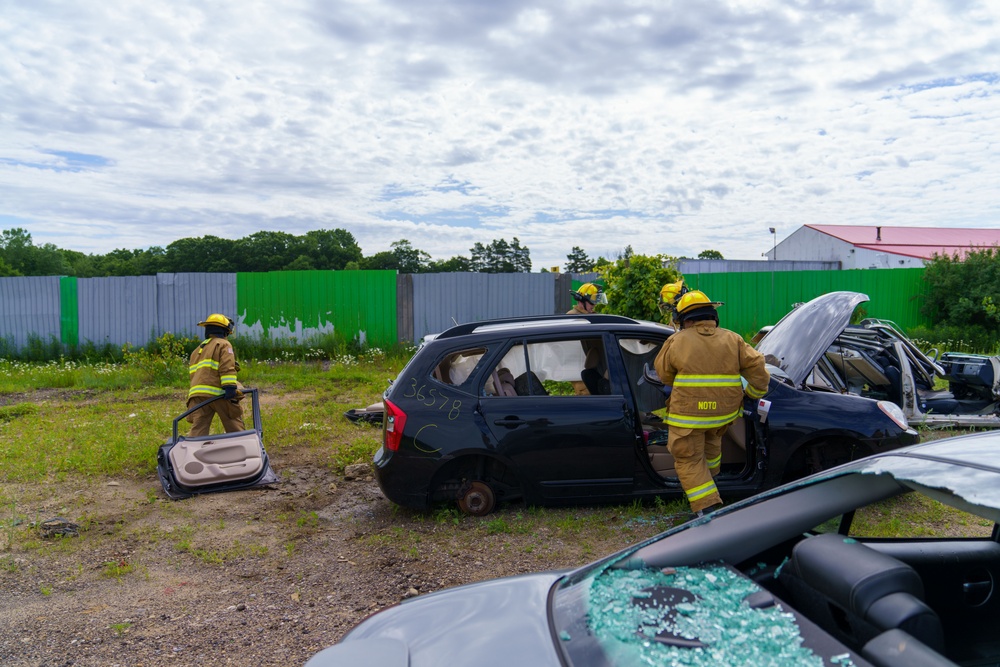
(476, 498)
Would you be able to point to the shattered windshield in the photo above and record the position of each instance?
(661, 617)
(720, 590)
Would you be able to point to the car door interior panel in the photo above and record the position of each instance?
(217, 458)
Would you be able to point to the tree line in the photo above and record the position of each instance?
(330, 249)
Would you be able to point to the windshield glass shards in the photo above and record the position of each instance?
(693, 616)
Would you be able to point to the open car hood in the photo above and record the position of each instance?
(796, 343)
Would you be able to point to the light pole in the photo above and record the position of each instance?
(774, 258)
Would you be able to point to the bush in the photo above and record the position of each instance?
(164, 361)
(633, 285)
(960, 295)
(967, 339)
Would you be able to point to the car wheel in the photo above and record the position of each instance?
(476, 498)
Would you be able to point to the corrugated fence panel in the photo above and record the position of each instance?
(29, 306)
(693, 266)
(300, 304)
(69, 311)
(757, 299)
(442, 300)
(897, 295)
(363, 304)
(184, 299)
(117, 310)
(404, 306)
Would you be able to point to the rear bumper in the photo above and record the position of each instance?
(402, 480)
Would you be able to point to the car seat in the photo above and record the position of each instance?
(528, 384)
(855, 593)
(596, 383)
(503, 382)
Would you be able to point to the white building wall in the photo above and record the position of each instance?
(808, 245)
(805, 244)
(873, 259)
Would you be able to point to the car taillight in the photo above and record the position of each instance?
(395, 420)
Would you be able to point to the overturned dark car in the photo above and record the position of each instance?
(875, 359)
(557, 410)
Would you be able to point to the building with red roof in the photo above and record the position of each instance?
(880, 247)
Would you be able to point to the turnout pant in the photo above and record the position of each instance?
(697, 456)
(230, 413)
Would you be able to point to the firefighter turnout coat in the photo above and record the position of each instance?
(213, 366)
(704, 364)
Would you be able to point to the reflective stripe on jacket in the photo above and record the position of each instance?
(704, 365)
(212, 366)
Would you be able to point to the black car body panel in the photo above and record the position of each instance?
(791, 576)
(489, 413)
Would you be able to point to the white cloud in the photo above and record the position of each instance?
(665, 127)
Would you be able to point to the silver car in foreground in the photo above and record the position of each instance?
(799, 575)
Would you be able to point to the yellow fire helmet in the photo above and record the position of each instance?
(669, 294)
(692, 301)
(218, 320)
(590, 293)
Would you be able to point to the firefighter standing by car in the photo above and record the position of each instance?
(213, 369)
(702, 364)
(669, 295)
(587, 298)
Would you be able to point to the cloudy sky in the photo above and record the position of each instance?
(670, 126)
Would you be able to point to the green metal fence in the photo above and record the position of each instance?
(69, 312)
(357, 305)
(362, 305)
(757, 299)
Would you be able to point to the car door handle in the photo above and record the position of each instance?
(509, 422)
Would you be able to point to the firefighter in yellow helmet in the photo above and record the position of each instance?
(587, 297)
(702, 364)
(669, 295)
(213, 369)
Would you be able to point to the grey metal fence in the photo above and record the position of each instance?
(29, 306)
(442, 300)
(184, 299)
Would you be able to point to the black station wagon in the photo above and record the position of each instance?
(556, 410)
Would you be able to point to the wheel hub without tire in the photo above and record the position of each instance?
(477, 499)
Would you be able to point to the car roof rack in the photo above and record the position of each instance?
(472, 327)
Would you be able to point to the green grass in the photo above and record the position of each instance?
(120, 628)
(117, 569)
(913, 515)
(101, 420)
(109, 419)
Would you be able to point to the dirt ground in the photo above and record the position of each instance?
(260, 577)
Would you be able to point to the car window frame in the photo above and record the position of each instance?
(456, 350)
(553, 337)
